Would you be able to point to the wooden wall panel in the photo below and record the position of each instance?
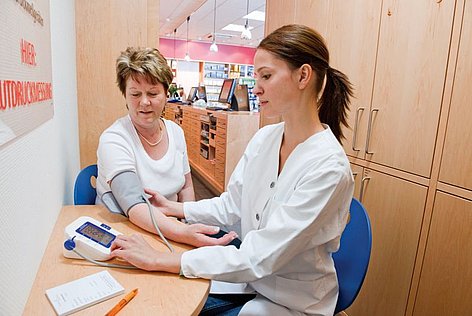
(274, 19)
(313, 13)
(445, 280)
(104, 29)
(456, 169)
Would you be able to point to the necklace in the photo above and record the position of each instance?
(148, 142)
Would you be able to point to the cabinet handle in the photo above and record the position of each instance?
(369, 131)
(354, 136)
(354, 174)
(361, 194)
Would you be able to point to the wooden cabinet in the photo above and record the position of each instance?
(446, 275)
(409, 59)
(191, 127)
(410, 73)
(216, 141)
(456, 165)
(173, 112)
(352, 37)
(395, 207)
(444, 283)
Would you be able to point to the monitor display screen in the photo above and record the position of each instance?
(240, 100)
(226, 91)
(192, 94)
(96, 234)
(201, 93)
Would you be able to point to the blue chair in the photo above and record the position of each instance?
(84, 192)
(352, 258)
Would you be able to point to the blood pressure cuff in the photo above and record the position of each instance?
(126, 192)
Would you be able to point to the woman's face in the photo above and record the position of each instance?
(145, 101)
(276, 84)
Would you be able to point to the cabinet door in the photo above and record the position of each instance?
(274, 9)
(446, 276)
(313, 14)
(409, 79)
(357, 172)
(456, 168)
(353, 28)
(395, 208)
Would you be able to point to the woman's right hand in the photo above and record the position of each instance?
(168, 208)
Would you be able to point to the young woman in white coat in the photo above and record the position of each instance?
(290, 192)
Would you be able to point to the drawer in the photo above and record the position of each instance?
(219, 170)
(212, 142)
(220, 142)
(220, 154)
(220, 180)
(221, 131)
(221, 123)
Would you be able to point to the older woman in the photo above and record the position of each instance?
(149, 146)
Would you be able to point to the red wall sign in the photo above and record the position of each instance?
(25, 67)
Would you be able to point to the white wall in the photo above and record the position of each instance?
(37, 172)
(188, 74)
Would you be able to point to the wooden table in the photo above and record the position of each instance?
(159, 293)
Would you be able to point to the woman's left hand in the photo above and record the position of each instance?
(139, 253)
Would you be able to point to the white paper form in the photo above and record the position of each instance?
(70, 297)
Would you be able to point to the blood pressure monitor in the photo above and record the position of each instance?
(90, 238)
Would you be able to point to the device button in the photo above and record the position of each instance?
(105, 226)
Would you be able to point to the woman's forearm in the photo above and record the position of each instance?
(170, 228)
(175, 209)
(187, 193)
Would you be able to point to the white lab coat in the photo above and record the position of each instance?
(290, 224)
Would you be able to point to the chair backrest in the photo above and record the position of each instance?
(352, 258)
(84, 192)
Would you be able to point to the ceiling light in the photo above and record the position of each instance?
(213, 46)
(246, 33)
(235, 28)
(255, 15)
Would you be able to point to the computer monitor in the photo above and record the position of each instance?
(201, 93)
(192, 94)
(226, 91)
(240, 99)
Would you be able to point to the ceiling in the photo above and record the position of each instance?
(173, 15)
